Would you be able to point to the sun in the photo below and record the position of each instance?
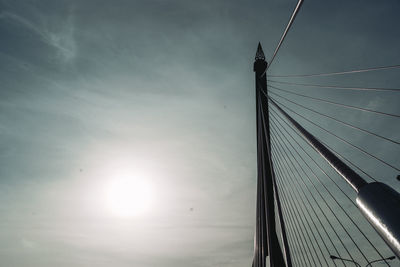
(129, 194)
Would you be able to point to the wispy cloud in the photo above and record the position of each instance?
(59, 35)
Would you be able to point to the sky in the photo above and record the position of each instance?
(162, 92)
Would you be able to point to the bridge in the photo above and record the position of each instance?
(316, 205)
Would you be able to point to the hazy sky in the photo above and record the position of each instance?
(164, 90)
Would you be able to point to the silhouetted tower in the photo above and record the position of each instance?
(266, 240)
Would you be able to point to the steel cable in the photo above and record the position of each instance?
(324, 200)
(337, 120)
(295, 11)
(338, 137)
(334, 151)
(279, 151)
(362, 233)
(305, 211)
(336, 103)
(340, 87)
(337, 73)
(294, 224)
(348, 161)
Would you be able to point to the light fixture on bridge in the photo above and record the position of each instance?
(356, 263)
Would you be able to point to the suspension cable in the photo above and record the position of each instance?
(282, 134)
(334, 151)
(337, 120)
(297, 195)
(336, 103)
(320, 168)
(311, 240)
(312, 208)
(340, 87)
(348, 161)
(338, 137)
(276, 148)
(300, 211)
(295, 11)
(338, 73)
(295, 224)
(319, 193)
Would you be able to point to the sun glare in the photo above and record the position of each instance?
(129, 194)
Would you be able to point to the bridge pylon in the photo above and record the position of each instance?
(270, 242)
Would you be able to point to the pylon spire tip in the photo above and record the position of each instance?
(260, 53)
